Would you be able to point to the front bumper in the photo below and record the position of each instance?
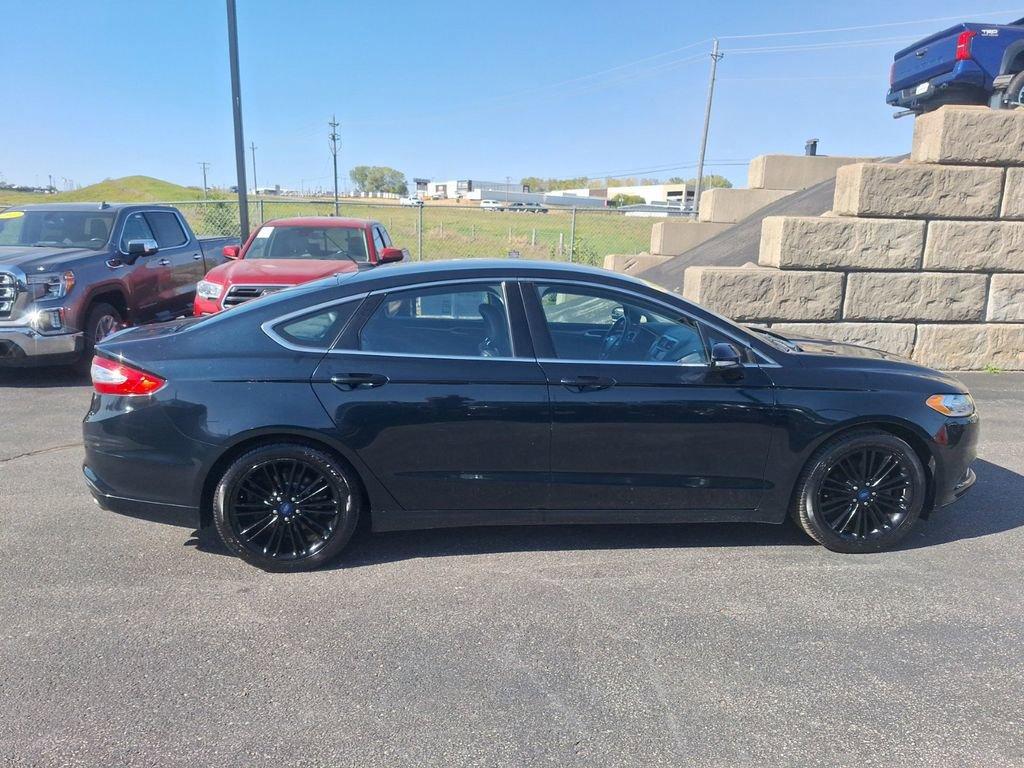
(22, 345)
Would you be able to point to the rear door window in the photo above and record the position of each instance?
(167, 229)
(444, 321)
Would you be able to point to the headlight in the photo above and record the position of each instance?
(51, 285)
(207, 290)
(951, 405)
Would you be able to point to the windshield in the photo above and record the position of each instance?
(327, 243)
(56, 229)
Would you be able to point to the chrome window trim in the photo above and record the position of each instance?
(181, 221)
(267, 327)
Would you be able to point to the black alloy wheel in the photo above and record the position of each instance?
(286, 507)
(861, 492)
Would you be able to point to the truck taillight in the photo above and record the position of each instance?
(112, 378)
(963, 44)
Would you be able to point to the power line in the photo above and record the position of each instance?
(823, 46)
(867, 26)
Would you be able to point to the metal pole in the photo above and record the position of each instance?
(255, 186)
(236, 105)
(205, 187)
(419, 235)
(715, 56)
(334, 152)
(572, 236)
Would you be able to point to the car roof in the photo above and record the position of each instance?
(93, 207)
(425, 271)
(321, 221)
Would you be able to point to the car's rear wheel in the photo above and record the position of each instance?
(861, 492)
(1014, 97)
(286, 507)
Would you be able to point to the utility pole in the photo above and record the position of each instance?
(715, 56)
(255, 188)
(204, 165)
(333, 136)
(236, 106)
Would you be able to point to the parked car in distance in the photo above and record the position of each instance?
(965, 64)
(526, 208)
(288, 252)
(493, 205)
(411, 202)
(495, 393)
(71, 273)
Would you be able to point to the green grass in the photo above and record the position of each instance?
(129, 189)
(466, 231)
(449, 231)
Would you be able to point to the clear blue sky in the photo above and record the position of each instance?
(445, 89)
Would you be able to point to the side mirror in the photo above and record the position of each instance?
(391, 255)
(232, 251)
(726, 358)
(139, 248)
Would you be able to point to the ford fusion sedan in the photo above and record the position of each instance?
(289, 252)
(495, 393)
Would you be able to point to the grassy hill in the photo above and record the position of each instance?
(129, 189)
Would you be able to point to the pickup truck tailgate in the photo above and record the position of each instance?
(926, 58)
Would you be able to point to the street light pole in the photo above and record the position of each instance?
(236, 106)
(333, 136)
(715, 56)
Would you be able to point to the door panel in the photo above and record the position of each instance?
(646, 424)
(659, 437)
(445, 434)
(458, 430)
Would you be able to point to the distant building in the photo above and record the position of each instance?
(652, 194)
(469, 189)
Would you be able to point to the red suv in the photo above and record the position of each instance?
(287, 252)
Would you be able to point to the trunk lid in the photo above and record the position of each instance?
(925, 59)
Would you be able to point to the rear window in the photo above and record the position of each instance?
(317, 330)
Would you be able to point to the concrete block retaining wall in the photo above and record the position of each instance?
(924, 259)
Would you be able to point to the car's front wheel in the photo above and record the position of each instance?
(1014, 96)
(860, 492)
(286, 507)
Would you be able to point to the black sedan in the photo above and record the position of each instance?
(493, 393)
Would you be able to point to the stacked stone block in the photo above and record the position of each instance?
(924, 258)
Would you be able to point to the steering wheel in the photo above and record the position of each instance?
(616, 335)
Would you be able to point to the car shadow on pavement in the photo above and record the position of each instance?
(991, 507)
(995, 504)
(29, 378)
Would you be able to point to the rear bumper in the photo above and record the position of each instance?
(107, 499)
(965, 84)
(23, 346)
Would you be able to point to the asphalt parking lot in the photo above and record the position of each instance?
(123, 643)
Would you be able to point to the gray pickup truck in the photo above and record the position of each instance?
(70, 274)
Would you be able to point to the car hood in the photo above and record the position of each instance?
(277, 271)
(42, 259)
(842, 349)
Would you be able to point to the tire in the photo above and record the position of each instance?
(1014, 95)
(260, 516)
(101, 320)
(860, 492)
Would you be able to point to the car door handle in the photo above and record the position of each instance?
(588, 383)
(350, 381)
(164, 262)
(598, 332)
(197, 256)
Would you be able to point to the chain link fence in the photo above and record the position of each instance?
(455, 231)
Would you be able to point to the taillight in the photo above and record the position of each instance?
(112, 378)
(963, 44)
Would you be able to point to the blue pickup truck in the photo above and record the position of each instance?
(965, 64)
